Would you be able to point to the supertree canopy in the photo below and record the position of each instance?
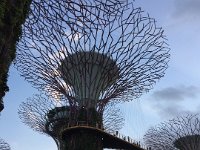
(50, 117)
(181, 133)
(89, 53)
(4, 145)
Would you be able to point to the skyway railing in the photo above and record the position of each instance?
(115, 134)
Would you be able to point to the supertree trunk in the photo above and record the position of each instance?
(82, 141)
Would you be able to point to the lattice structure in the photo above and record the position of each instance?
(128, 43)
(49, 117)
(88, 55)
(4, 145)
(181, 133)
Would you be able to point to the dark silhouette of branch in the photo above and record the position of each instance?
(90, 51)
(113, 119)
(4, 145)
(180, 133)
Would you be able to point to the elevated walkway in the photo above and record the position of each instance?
(112, 141)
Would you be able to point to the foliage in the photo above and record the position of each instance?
(12, 15)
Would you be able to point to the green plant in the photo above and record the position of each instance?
(12, 15)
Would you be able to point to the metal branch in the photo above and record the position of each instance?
(4, 145)
(113, 119)
(36, 111)
(118, 45)
(180, 133)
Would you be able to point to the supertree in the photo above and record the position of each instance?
(101, 62)
(4, 145)
(181, 133)
(49, 117)
(96, 54)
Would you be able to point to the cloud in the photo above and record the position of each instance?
(170, 110)
(186, 9)
(179, 93)
(73, 36)
(175, 101)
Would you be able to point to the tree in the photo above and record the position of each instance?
(12, 15)
(128, 46)
(92, 55)
(181, 133)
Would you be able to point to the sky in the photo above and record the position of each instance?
(177, 93)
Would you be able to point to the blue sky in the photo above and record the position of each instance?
(175, 94)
